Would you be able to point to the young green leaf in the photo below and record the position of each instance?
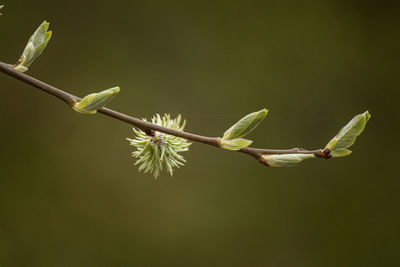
(34, 48)
(285, 160)
(349, 133)
(331, 143)
(245, 125)
(341, 152)
(93, 102)
(235, 144)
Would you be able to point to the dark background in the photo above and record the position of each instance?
(69, 195)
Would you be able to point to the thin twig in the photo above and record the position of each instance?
(149, 127)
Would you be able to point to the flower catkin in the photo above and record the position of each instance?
(161, 150)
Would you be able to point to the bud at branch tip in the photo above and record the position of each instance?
(34, 48)
(347, 135)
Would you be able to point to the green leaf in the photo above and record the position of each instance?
(235, 144)
(35, 46)
(93, 102)
(341, 152)
(286, 160)
(331, 143)
(40, 48)
(38, 36)
(28, 54)
(349, 133)
(245, 125)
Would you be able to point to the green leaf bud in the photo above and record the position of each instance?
(93, 102)
(341, 152)
(245, 125)
(285, 160)
(34, 48)
(235, 144)
(349, 133)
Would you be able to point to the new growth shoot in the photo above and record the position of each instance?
(158, 143)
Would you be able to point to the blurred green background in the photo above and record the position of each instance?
(69, 195)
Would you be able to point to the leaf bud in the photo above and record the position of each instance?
(93, 102)
(34, 48)
(285, 160)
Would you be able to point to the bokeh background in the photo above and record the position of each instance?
(70, 195)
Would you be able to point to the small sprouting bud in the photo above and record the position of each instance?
(234, 144)
(245, 125)
(1, 6)
(93, 102)
(347, 135)
(161, 150)
(35, 46)
(285, 160)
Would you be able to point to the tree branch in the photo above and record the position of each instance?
(149, 127)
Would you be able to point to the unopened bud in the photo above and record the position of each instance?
(285, 160)
(93, 102)
(235, 144)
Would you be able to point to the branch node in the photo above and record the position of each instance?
(218, 141)
(263, 161)
(149, 132)
(325, 154)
